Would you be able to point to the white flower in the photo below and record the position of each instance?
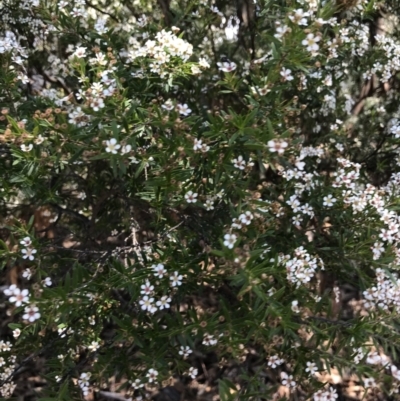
(183, 109)
(112, 146)
(299, 17)
(137, 384)
(311, 368)
(26, 148)
(26, 241)
(80, 52)
(147, 288)
(297, 220)
(295, 306)
(176, 279)
(39, 139)
(281, 31)
(5, 346)
(19, 297)
(287, 380)
(28, 253)
(146, 303)
(16, 333)
(236, 224)
(286, 74)
(185, 351)
(246, 218)
(193, 372)
(195, 70)
(329, 200)
(239, 163)
(209, 339)
(197, 144)
(134, 160)
(226, 66)
(168, 105)
(126, 149)
(97, 104)
(31, 313)
(47, 282)
(395, 372)
(274, 361)
(229, 240)
(27, 273)
(203, 63)
(152, 375)
(159, 270)
(374, 358)
(94, 346)
(84, 380)
(209, 205)
(277, 146)
(191, 197)
(164, 302)
(311, 42)
(10, 290)
(232, 28)
(369, 382)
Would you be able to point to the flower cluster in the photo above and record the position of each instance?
(148, 302)
(7, 366)
(162, 50)
(83, 383)
(28, 252)
(302, 267)
(19, 298)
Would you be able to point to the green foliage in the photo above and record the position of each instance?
(189, 198)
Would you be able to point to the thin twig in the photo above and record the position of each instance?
(101, 11)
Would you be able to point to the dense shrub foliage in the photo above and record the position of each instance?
(198, 192)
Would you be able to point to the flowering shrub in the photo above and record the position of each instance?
(200, 199)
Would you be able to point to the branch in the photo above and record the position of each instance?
(101, 11)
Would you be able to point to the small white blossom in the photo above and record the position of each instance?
(286, 74)
(311, 368)
(146, 303)
(146, 288)
(159, 270)
(112, 146)
(164, 302)
(185, 351)
(193, 372)
(209, 339)
(94, 346)
(209, 205)
(329, 200)
(230, 240)
(28, 253)
(31, 313)
(26, 148)
(152, 375)
(168, 105)
(183, 109)
(19, 297)
(176, 279)
(311, 42)
(287, 380)
(226, 66)
(274, 361)
(16, 333)
(80, 52)
(277, 146)
(239, 163)
(26, 242)
(191, 197)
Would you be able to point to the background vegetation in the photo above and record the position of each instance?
(199, 200)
